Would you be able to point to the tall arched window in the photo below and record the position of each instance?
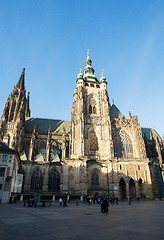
(54, 180)
(92, 105)
(122, 144)
(93, 141)
(42, 148)
(36, 179)
(94, 110)
(90, 109)
(95, 178)
(56, 152)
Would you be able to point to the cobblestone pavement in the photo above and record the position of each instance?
(144, 220)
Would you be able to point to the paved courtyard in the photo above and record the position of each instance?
(144, 220)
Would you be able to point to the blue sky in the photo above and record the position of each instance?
(50, 39)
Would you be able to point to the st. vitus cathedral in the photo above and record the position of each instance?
(98, 152)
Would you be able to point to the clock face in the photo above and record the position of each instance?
(92, 101)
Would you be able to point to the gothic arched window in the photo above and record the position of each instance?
(122, 144)
(36, 179)
(90, 109)
(92, 105)
(93, 141)
(56, 152)
(42, 148)
(54, 180)
(94, 110)
(95, 178)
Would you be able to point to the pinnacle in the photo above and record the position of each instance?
(20, 83)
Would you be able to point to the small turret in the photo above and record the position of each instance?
(103, 79)
(80, 75)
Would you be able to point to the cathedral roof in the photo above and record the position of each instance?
(150, 132)
(115, 112)
(43, 125)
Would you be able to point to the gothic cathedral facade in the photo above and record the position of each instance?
(98, 152)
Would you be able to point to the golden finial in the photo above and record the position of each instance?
(102, 72)
(80, 70)
(88, 52)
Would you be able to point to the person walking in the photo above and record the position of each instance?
(77, 202)
(129, 200)
(60, 201)
(102, 205)
(64, 202)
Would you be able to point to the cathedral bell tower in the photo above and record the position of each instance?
(13, 117)
(91, 123)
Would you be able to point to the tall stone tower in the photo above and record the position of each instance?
(91, 124)
(13, 117)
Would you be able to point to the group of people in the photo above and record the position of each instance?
(32, 202)
(63, 202)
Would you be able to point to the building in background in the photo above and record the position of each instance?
(10, 179)
(98, 152)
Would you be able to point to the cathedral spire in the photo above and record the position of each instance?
(20, 83)
(88, 60)
(89, 71)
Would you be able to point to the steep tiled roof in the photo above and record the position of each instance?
(150, 132)
(44, 124)
(115, 112)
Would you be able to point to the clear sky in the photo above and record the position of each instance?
(50, 39)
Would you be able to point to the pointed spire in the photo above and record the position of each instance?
(89, 71)
(88, 60)
(20, 83)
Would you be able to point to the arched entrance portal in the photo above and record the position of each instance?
(122, 189)
(132, 188)
(141, 189)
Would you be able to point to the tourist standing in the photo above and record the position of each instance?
(105, 205)
(60, 201)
